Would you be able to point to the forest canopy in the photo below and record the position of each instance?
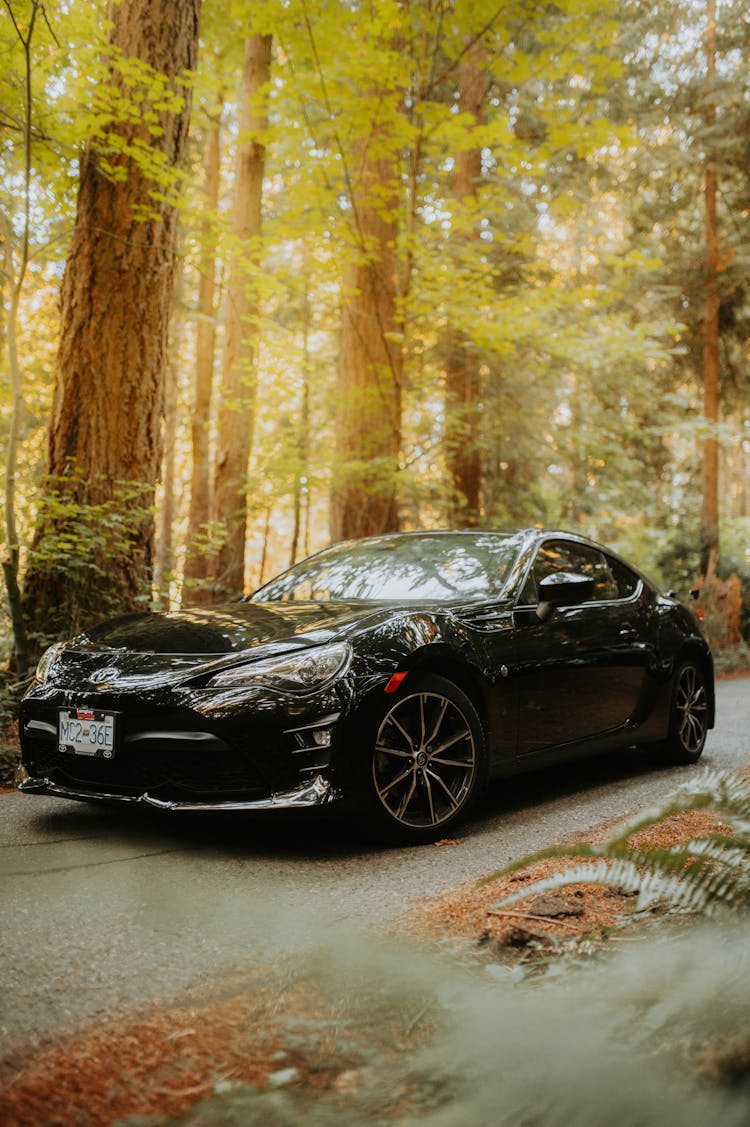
(282, 272)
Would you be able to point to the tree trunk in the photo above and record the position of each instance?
(15, 278)
(164, 559)
(368, 425)
(238, 386)
(264, 548)
(199, 517)
(463, 382)
(742, 475)
(21, 647)
(710, 508)
(301, 491)
(94, 546)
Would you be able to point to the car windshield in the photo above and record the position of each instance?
(434, 567)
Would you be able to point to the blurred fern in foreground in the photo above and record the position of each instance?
(700, 875)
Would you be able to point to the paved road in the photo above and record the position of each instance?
(100, 911)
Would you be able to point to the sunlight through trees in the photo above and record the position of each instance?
(441, 263)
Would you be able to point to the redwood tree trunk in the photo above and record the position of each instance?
(164, 560)
(301, 492)
(197, 558)
(94, 546)
(710, 509)
(239, 380)
(368, 430)
(463, 383)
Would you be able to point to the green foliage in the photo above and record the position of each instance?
(65, 48)
(575, 271)
(702, 875)
(91, 530)
(87, 537)
(128, 107)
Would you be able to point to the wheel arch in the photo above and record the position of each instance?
(443, 663)
(446, 664)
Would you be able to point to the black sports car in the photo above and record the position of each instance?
(393, 674)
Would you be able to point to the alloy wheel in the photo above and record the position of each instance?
(692, 709)
(425, 760)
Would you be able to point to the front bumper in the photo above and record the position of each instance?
(173, 752)
(316, 792)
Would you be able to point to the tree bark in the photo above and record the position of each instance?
(368, 424)
(15, 280)
(199, 517)
(94, 547)
(164, 561)
(710, 507)
(239, 380)
(463, 381)
(21, 646)
(301, 491)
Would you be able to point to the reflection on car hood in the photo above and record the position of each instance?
(224, 630)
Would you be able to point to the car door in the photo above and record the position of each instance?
(581, 672)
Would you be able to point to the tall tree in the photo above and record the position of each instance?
(94, 544)
(164, 556)
(301, 492)
(370, 371)
(710, 507)
(239, 379)
(462, 363)
(15, 274)
(197, 559)
(368, 427)
(686, 92)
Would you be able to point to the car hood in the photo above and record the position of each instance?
(212, 632)
(155, 650)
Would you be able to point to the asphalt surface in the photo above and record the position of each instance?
(102, 911)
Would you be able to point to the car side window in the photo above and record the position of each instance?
(626, 580)
(563, 555)
(528, 596)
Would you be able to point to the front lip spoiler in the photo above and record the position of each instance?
(318, 792)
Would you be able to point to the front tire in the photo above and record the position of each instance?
(688, 714)
(425, 762)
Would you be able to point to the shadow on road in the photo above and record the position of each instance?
(321, 836)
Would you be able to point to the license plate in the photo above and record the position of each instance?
(86, 731)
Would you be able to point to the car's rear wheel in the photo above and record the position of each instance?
(688, 716)
(426, 761)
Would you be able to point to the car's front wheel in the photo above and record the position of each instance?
(688, 717)
(425, 761)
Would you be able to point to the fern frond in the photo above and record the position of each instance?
(618, 873)
(697, 876)
(722, 791)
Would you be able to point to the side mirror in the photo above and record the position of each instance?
(562, 589)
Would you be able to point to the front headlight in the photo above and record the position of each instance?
(46, 661)
(299, 672)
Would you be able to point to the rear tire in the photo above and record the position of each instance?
(688, 714)
(425, 761)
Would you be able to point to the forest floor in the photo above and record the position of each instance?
(296, 1041)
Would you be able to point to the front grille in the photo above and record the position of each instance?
(169, 772)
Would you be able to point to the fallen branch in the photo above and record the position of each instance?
(510, 914)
